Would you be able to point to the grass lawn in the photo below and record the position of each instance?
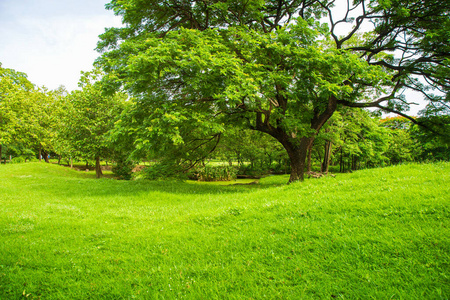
(372, 234)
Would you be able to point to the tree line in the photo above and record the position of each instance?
(89, 125)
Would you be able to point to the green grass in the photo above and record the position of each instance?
(373, 234)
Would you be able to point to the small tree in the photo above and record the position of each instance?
(88, 117)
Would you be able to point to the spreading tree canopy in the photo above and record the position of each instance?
(281, 67)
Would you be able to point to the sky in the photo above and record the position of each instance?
(52, 41)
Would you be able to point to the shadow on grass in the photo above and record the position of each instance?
(66, 182)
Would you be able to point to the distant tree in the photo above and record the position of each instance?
(15, 91)
(361, 141)
(274, 66)
(432, 144)
(254, 151)
(28, 115)
(88, 117)
(41, 118)
(402, 145)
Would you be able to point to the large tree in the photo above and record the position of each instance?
(281, 67)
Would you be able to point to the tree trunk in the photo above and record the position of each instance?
(297, 155)
(326, 157)
(59, 159)
(296, 147)
(308, 169)
(98, 169)
(40, 153)
(45, 156)
(355, 163)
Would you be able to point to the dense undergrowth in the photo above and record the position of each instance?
(381, 233)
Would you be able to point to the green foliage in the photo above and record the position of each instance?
(255, 153)
(14, 90)
(22, 159)
(401, 148)
(277, 67)
(18, 160)
(284, 80)
(433, 145)
(123, 169)
(381, 233)
(28, 115)
(358, 140)
(213, 173)
(402, 145)
(88, 117)
(163, 170)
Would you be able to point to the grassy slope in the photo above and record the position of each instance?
(380, 233)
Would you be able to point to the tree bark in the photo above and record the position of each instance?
(45, 156)
(354, 163)
(326, 157)
(308, 169)
(98, 169)
(297, 153)
(296, 147)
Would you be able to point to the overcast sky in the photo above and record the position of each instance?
(52, 40)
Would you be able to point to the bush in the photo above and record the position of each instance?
(164, 169)
(22, 159)
(253, 170)
(18, 160)
(123, 169)
(213, 173)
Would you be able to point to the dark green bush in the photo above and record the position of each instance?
(18, 160)
(123, 169)
(213, 173)
(164, 169)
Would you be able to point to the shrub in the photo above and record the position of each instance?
(123, 169)
(213, 173)
(18, 160)
(253, 170)
(23, 159)
(164, 169)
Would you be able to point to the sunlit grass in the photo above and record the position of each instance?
(381, 234)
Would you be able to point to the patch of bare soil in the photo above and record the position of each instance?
(318, 174)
